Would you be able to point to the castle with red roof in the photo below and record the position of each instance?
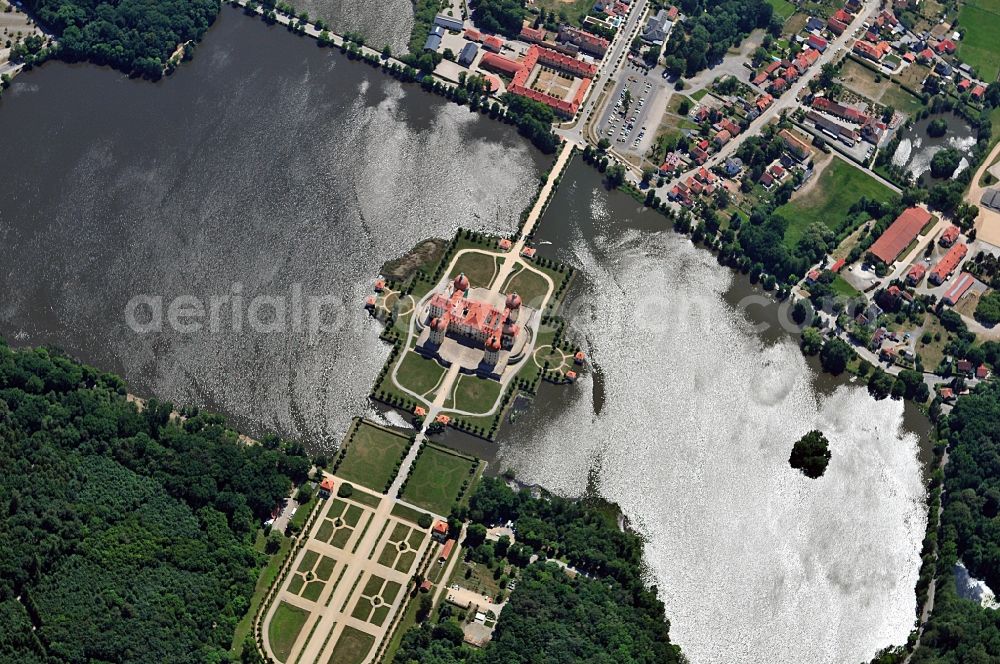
(454, 312)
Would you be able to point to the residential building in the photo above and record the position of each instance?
(587, 42)
(916, 274)
(946, 266)
(949, 236)
(657, 28)
(959, 288)
(433, 42)
(795, 145)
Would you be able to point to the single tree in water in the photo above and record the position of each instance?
(811, 454)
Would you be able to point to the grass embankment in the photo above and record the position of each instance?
(372, 454)
(264, 582)
(418, 373)
(840, 185)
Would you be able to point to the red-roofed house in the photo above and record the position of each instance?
(493, 43)
(844, 112)
(446, 550)
(916, 274)
(836, 26)
(817, 42)
(326, 487)
(730, 126)
(533, 35)
(900, 234)
(978, 91)
(949, 236)
(982, 372)
(499, 63)
(722, 138)
(926, 55)
(945, 46)
(838, 265)
(440, 530)
(699, 155)
(947, 265)
(964, 85)
(871, 51)
(764, 101)
(843, 16)
(779, 85)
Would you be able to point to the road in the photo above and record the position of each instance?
(789, 99)
(988, 221)
(577, 131)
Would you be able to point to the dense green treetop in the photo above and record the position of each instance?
(811, 454)
(135, 36)
(125, 535)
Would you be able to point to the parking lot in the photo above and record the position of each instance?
(630, 119)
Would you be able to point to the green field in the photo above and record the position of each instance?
(284, 628)
(839, 186)
(980, 46)
(782, 8)
(842, 288)
(531, 286)
(418, 373)
(479, 268)
(573, 11)
(372, 454)
(352, 646)
(437, 479)
(405, 512)
(475, 395)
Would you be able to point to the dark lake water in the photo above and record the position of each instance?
(917, 147)
(263, 166)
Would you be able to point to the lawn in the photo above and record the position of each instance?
(980, 47)
(264, 581)
(839, 186)
(782, 8)
(479, 268)
(405, 512)
(284, 628)
(372, 454)
(842, 288)
(352, 646)
(573, 11)
(531, 286)
(475, 395)
(437, 479)
(418, 373)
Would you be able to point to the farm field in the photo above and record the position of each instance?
(980, 47)
(839, 186)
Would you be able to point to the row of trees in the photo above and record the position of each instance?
(125, 535)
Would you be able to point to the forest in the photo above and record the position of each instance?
(712, 27)
(959, 630)
(607, 616)
(134, 36)
(126, 535)
(503, 16)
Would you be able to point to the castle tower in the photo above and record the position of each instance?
(510, 331)
(492, 355)
(439, 327)
(461, 283)
(513, 307)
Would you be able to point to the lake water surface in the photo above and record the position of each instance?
(267, 163)
(264, 163)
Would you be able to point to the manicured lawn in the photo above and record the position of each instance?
(418, 373)
(437, 479)
(782, 8)
(840, 185)
(979, 46)
(286, 623)
(406, 512)
(365, 498)
(372, 454)
(475, 395)
(841, 287)
(530, 286)
(302, 513)
(340, 537)
(325, 568)
(479, 268)
(352, 646)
